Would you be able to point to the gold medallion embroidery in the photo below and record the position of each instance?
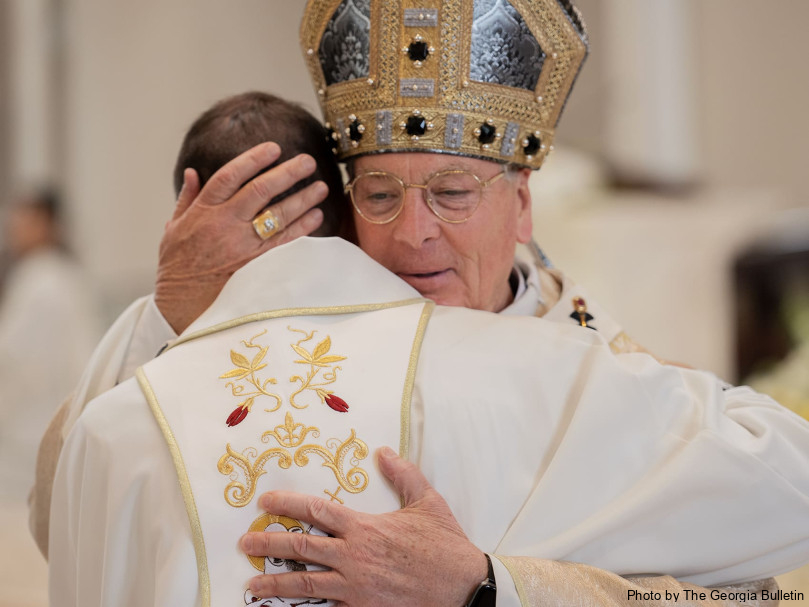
(274, 523)
(286, 523)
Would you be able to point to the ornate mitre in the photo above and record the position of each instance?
(480, 78)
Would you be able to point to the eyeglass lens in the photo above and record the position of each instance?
(453, 196)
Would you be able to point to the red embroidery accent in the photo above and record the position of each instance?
(238, 415)
(336, 403)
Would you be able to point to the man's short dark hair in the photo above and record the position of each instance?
(236, 124)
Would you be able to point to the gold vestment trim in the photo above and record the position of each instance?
(185, 487)
(512, 565)
(327, 310)
(410, 379)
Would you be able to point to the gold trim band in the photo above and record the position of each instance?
(410, 380)
(185, 487)
(328, 310)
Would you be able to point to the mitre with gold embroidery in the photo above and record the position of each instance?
(480, 78)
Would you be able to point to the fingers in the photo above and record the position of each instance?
(188, 192)
(315, 584)
(228, 180)
(302, 227)
(304, 547)
(328, 516)
(236, 187)
(405, 476)
(292, 207)
(296, 214)
(255, 194)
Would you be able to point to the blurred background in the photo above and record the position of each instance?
(677, 192)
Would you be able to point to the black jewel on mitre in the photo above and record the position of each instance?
(503, 49)
(432, 101)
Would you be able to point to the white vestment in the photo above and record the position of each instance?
(542, 441)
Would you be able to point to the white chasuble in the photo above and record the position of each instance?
(543, 442)
(298, 400)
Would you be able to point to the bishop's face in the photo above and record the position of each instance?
(456, 264)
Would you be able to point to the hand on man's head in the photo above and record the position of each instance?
(211, 234)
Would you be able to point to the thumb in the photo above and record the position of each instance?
(408, 480)
(188, 193)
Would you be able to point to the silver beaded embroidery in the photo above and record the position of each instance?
(384, 127)
(417, 87)
(453, 135)
(345, 142)
(420, 17)
(509, 139)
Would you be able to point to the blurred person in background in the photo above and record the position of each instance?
(49, 324)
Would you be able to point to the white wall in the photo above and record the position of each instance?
(745, 63)
(5, 101)
(755, 93)
(139, 73)
(32, 130)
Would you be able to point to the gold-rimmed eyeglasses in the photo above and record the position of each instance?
(453, 195)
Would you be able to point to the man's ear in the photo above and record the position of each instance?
(525, 220)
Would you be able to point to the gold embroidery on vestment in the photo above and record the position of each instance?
(333, 496)
(239, 494)
(319, 358)
(353, 481)
(244, 375)
(355, 478)
(290, 436)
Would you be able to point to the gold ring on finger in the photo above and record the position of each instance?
(266, 224)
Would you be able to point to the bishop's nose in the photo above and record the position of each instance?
(416, 223)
